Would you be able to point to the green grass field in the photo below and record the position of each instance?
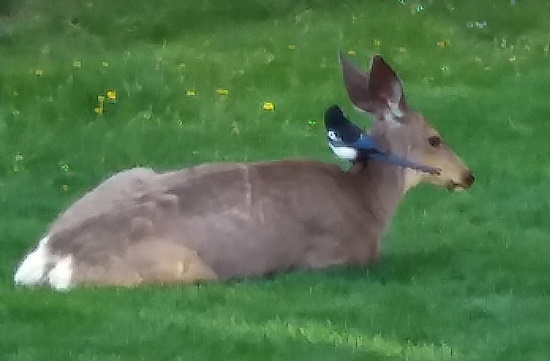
(88, 88)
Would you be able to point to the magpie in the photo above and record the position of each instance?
(348, 142)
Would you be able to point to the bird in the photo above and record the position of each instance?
(348, 142)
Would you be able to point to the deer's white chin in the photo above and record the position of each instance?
(411, 179)
(454, 186)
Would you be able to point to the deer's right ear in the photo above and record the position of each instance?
(385, 89)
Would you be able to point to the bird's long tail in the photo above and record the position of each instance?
(402, 162)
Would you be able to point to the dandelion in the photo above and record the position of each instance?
(38, 72)
(442, 43)
(64, 187)
(351, 52)
(376, 42)
(99, 109)
(268, 106)
(111, 95)
(190, 93)
(222, 91)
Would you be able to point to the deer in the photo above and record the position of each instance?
(228, 221)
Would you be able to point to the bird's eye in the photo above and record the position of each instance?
(435, 141)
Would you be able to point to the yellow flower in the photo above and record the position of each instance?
(268, 106)
(64, 187)
(38, 72)
(111, 95)
(100, 98)
(376, 42)
(351, 52)
(442, 43)
(98, 109)
(222, 91)
(190, 93)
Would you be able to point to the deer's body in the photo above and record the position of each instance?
(223, 221)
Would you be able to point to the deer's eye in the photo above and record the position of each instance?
(435, 141)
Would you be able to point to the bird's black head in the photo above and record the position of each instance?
(333, 116)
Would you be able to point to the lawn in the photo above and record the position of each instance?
(88, 88)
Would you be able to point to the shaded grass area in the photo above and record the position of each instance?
(464, 276)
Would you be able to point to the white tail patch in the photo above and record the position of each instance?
(41, 266)
(32, 271)
(61, 274)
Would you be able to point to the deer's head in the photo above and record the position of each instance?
(400, 130)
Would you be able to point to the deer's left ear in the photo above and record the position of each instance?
(386, 90)
(357, 84)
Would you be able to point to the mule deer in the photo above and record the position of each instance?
(224, 221)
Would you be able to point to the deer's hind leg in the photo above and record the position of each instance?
(146, 262)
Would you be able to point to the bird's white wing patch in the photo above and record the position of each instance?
(344, 153)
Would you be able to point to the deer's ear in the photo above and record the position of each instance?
(385, 89)
(379, 92)
(356, 83)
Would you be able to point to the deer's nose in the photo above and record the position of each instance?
(469, 179)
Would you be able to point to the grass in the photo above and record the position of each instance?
(464, 276)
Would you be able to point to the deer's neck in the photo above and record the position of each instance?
(382, 187)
